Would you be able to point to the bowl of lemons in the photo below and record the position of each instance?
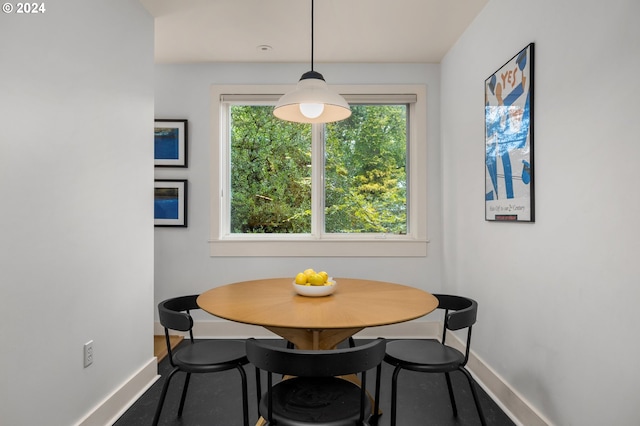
(314, 284)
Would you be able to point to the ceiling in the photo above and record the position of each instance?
(364, 31)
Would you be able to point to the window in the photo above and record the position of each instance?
(351, 188)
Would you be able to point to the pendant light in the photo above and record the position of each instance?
(312, 101)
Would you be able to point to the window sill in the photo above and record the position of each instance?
(319, 248)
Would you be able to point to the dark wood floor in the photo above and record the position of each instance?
(215, 400)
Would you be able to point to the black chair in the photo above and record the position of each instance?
(314, 395)
(197, 357)
(431, 356)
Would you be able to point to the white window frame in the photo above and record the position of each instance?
(316, 244)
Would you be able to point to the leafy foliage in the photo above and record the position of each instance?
(270, 172)
(365, 172)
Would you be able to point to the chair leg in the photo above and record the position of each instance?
(376, 406)
(163, 395)
(475, 395)
(394, 394)
(184, 393)
(451, 397)
(245, 398)
(363, 398)
(258, 389)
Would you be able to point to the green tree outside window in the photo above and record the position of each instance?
(365, 176)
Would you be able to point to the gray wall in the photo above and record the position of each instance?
(182, 262)
(558, 298)
(76, 173)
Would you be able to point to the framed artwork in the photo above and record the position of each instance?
(170, 202)
(170, 143)
(509, 171)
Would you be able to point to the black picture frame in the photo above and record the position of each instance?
(170, 202)
(509, 166)
(171, 142)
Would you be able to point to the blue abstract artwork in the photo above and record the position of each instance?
(166, 203)
(509, 140)
(170, 143)
(167, 143)
(170, 202)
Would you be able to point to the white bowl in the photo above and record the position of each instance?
(315, 290)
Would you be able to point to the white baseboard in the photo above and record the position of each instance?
(110, 410)
(516, 407)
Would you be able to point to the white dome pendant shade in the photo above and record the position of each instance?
(312, 101)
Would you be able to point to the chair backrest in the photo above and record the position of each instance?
(174, 313)
(460, 312)
(310, 363)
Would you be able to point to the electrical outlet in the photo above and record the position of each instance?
(88, 353)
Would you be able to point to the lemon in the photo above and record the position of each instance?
(309, 272)
(325, 276)
(316, 279)
(301, 278)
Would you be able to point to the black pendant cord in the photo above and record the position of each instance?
(312, 73)
(312, 35)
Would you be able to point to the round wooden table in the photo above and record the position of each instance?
(317, 322)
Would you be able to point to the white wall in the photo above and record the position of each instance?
(558, 298)
(182, 262)
(76, 215)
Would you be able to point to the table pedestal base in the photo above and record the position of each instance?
(314, 339)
